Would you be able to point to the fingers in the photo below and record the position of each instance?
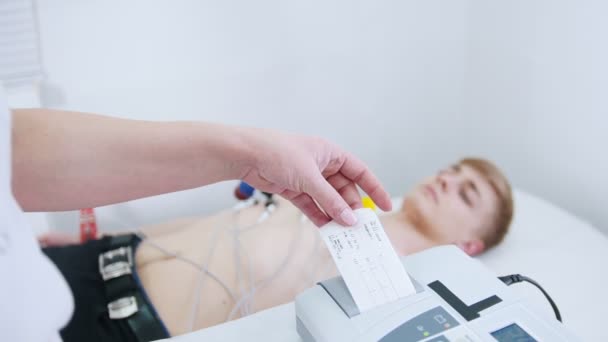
(347, 189)
(330, 200)
(355, 170)
(308, 206)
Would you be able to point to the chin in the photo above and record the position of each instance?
(407, 199)
(414, 211)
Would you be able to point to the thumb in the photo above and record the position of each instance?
(330, 201)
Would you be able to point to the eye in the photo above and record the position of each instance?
(467, 192)
(464, 194)
(473, 187)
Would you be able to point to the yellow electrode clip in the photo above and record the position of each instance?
(368, 203)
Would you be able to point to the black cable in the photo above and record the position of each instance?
(518, 278)
(269, 199)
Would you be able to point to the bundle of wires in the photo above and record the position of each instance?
(246, 287)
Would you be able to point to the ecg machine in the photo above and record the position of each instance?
(457, 300)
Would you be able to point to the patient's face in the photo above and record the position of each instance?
(454, 206)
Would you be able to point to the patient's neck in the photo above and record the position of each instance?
(406, 239)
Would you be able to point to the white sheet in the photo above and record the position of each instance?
(564, 254)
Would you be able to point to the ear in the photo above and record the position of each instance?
(472, 247)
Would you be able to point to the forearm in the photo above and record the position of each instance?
(67, 160)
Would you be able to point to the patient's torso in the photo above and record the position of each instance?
(276, 260)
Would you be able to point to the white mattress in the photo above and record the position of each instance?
(565, 255)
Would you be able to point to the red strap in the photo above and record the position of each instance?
(88, 225)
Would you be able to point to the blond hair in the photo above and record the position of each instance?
(504, 208)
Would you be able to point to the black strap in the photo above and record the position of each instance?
(467, 312)
(145, 324)
(118, 287)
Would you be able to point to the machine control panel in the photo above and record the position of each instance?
(428, 323)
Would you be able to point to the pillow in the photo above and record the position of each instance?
(563, 253)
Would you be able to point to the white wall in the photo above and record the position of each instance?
(538, 76)
(382, 78)
(407, 85)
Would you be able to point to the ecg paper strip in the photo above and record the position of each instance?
(367, 261)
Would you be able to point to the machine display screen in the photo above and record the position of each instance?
(512, 333)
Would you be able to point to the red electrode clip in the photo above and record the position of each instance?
(88, 225)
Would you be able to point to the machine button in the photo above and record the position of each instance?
(422, 326)
(440, 319)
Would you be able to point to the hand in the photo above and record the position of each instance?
(310, 171)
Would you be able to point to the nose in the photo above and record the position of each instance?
(443, 184)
